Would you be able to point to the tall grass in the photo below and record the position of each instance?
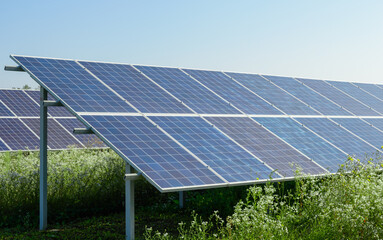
(79, 182)
(348, 205)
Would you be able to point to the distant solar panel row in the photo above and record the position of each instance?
(190, 129)
(19, 124)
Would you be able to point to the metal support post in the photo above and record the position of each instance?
(43, 158)
(129, 204)
(181, 199)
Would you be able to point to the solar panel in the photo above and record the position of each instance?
(4, 111)
(16, 135)
(88, 140)
(19, 103)
(3, 147)
(305, 141)
(239, 96)
(363, 130)
(376, 122)
(75, 86)
(308, 96)
(273, 94)
(52, 111)
(64, 141)
(162, 160)
(371, 88)
(360, 95)
(265, 145)
(193, 94)
(214, 148)
(136, 88)
(338, 136)
(338, 97)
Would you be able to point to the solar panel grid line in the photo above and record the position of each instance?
(239, 110)
(328, 82)
(372, 125)
(254, 93)
(340, 125)
(290, 94)
(5, 105)
(158, 85)
(290, 145)
(70, 133)
(185, 148)
(5, 144)
(106, 85)
(256, 157)
(325, 97)
(319, 135)
(366, 91)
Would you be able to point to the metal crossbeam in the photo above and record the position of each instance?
(52, 103)
(14, 68)
(83, 131)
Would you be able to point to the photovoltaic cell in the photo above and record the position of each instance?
(19, 103)
(377, 122)
(305, 141)
(308, 96)
(239, 96)
(4, 112)
(338, 97)
(75, 86)
(214, 148)
(153, 152)
(372, 89)
(266, 146)
(338, 136)
(89, 140)
(273, 94)
(193, 94)
(363, 130)
(359, 94)
(3, 147)
(52, 111)
(54, 130)
(17, 135)
(136, 88)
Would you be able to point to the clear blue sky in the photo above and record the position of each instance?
(339, 40)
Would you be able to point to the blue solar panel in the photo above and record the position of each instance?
(377, 122)
(338, 97)
(19, 103)
(372, 89)
(89, 140)
(53, 111)
(58, 137)
(273, 94)
(3, 147)
(17, 135)
(233, 92)
(4, 111)
(265, 145)
(214, 148)
(338, 136)
(153, 152)
(308, 96)
(137, 89)
(75, 86)
(305, 141)
(359, 94)
(193, 94)
(363, 130)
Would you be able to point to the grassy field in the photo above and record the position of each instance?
(86, 197)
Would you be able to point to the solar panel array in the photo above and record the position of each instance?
(192, 129)
(20, 124)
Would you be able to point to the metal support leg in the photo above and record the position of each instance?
(43, 159)
(129, 204)
(181, 199)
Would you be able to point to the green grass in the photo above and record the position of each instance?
(86, 201)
